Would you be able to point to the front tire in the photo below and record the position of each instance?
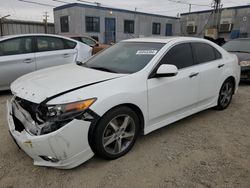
(225, 95)
(116, 133)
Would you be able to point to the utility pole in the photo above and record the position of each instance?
(190, 7)
(217, 6)
(1, 23)
(45, 20)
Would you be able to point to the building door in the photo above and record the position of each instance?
(109, 30)
(168, 29)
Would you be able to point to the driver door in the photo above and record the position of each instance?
(170, 97)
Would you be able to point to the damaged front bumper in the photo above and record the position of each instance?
(64, 148)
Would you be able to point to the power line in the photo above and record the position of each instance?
(187, 3)
(37, 3)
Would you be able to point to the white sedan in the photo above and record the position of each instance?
(22, 54)
(101, 106)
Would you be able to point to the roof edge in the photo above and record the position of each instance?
(110, 8)
(206, 11)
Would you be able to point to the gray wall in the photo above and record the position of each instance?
(13, 27)
(143, 23)
(204, 20)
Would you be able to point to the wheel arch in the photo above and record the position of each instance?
(133, 107)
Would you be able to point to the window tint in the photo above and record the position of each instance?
(129, 26)
(49, 44)
(156, 30)
(16, 46)
(180, 55)
(69, 44)
(203, 52)
(64, 20)
(92, 24)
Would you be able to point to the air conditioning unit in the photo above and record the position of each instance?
(191, 28)
(226, 25)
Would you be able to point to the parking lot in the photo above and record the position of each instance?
(209, 149)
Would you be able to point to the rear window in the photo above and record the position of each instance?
(242, 45)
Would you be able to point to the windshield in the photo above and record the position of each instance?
(238, 46)
(124, 57)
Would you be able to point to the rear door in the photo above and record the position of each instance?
(210, 64)
(52, 51)
(17, 58)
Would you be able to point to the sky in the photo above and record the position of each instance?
(18, 9)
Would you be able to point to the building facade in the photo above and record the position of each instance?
(228, 23)
(111, 24)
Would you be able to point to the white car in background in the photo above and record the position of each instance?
(21, 54)
(136, 86)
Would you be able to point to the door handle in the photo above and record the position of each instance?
(28, 60)
(193, 74)
(221, 65)
(66, 55)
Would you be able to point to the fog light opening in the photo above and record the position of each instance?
(50, 159)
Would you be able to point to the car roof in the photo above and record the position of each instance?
(241, 39)
(33, 34)
(164, 39)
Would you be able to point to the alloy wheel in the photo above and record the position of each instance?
(226, 93)
(118, 134)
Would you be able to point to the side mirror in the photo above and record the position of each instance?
(166, 70)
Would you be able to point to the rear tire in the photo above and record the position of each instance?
(225, 95)
(116, 133)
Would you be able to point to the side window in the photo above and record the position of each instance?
(217, 54)
(88, 41)
(69, 44)
(49, 44)
(203, 52)
(22, 45)
(180, 55)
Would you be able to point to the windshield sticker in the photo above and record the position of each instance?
(146, 52)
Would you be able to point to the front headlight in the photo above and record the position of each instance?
(53, 117)
(65, 111)
(245, 63)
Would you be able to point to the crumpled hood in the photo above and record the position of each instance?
(45, 83)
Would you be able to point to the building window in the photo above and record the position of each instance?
(64, 20)
(129, 26)
(92, 24)
(156, 29)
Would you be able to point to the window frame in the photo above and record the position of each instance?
(127, 32)
(67, 30)
(32, 44)
(156, 23)
(92, 30)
